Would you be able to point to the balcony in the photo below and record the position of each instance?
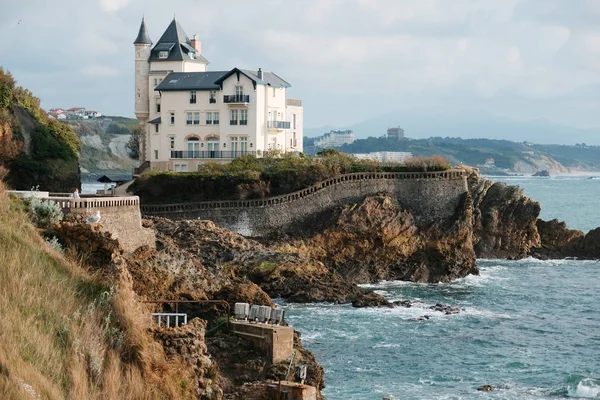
(278, 125)
(210, 154)
(236, 99)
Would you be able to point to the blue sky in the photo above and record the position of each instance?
(348, 60)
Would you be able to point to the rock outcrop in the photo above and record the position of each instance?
(557, 241)
(377, 239)
(504, 219)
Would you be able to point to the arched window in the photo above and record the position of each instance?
(193, 147)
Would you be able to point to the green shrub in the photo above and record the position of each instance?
(44, 213)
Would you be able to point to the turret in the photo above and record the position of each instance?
(142, 45)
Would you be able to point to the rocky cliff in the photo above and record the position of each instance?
(35, 150)
(504, 219)
(377, 239)
(196, 260)
(506, 225)
(103, 145)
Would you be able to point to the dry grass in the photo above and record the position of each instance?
(65, 335)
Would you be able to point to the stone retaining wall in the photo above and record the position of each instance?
(429, 195)
(120, 216)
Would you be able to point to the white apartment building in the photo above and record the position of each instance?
(190, 115)
(335, 139)
(386, 157)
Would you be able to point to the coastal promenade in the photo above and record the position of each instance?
(429, 195)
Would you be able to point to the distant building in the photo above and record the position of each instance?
(335, 139)
(73, 113)
(395, 133)
(490, 162)
(386, 157)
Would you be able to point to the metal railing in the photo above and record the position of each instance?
(236, 98)
(207, 154)
(178, 302)
(278, 124)
(160, 317)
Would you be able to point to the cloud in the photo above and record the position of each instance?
(101, 71)
(348, 60)
(113, 5)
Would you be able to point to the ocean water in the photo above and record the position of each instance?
(529, 328)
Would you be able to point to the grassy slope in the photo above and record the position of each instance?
(67, 335)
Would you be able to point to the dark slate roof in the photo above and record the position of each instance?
(115, 178)
(155, 121)
(143, 37)
(268, 78)
(191, 81)
(178, 44)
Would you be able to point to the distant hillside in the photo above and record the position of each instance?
(104, 143)
(469, 126)
(35, 150)
(507, 155)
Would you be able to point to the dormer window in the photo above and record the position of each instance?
(192, 55)
(163, 54)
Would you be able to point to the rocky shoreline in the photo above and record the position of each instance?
(373, 240)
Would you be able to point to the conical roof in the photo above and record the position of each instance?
(177, 46)
(143, 37)
(174, 34)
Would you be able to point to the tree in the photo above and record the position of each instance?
(133, 146)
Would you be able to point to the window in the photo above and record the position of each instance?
(274, 92)
(243, 117)
(155, 82)
(234, 145)
(172, 143)
(163, 54)
(193, 147)
(193, 97)
(213, 147)
(181, 167)
(239, 90)
(155, 128)
(295, 142)
(197, 118)
(216, 118)
(244, 145)
(156, 154)
(209, 118)
(172, 120)
(212, 96)
(294, 120)
(158, 107)
(188, 120)
(233, 119)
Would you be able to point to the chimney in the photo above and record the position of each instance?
(259, 74)
(197, 44)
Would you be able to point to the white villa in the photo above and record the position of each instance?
(335, 139)
(190, 115)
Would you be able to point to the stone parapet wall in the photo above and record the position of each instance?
(429, 195)
(120, 216)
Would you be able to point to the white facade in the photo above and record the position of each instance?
(335, 139)
(191, 115)
(386, 157)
